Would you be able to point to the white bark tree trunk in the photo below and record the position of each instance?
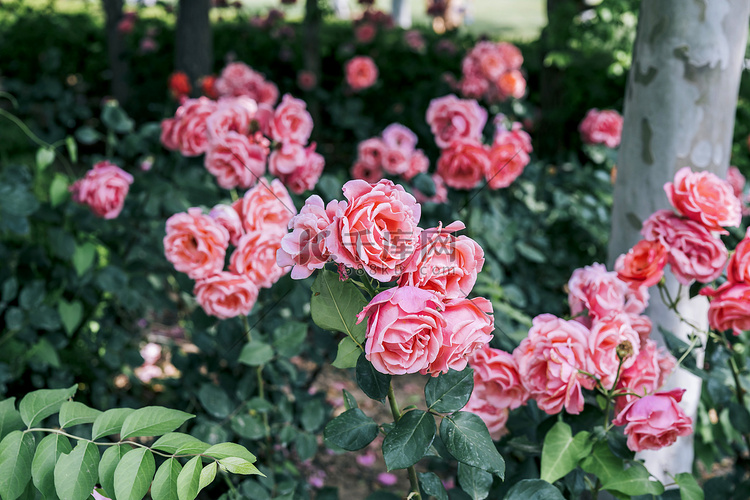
(679, 111)
(401, 13)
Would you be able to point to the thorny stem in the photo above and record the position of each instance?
(413, 479)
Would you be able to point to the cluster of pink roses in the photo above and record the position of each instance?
(492, 71)
(103, 189)
(394, 153)
(601, 127)
(197, 244)
(242, 132)
(361, 73)
(426, 323)
(458, 125)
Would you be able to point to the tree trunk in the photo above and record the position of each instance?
(401, 13)
(312, 54)
(115, 48)
(679, 111)
(194, 40)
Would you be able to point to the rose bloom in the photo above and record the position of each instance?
(641, 324)
(361, 72)
(405, 330)
(305, 247)
(463, 164)
(226, 216)
(511, 84)
(729, 308)
(496, 378)
(704, 198)
(226, 295)
(208, 87)
(597, 290)
(653, 422)
(443, 263)
(306, 175)
(195, 244)
(549, 360)
(507, 161)
(737, 181)
(306, 80)
(468, 327)
(232, 114)
(642, 377)
(414, 40)
(667, 364)
(179, 84)
(366, 172)
(398, 136)
(452, 119)
(291, 121)
(235, 161)
(103, 189)
(188, 131)
(286, 159)
(605, 337)
(511, 55)
(395, 161)
(255, 257)
(738, 269)
(643, 265)
(694, 254)
(418, 163)
(371, 151)
(238, 79)
(377, 230)
(601, 127)
(267, 206)
(365, 32)
(473, 87)
(441, 192)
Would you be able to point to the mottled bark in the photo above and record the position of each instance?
(679, 111)
(401, 13)
(194, 40)
(115, 50)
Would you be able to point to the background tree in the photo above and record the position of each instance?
(194, 40)
(115, 46)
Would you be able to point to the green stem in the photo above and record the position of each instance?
(413, 479)
(39, 142)
(368, 285)
(247, 329)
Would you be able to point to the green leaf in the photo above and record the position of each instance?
(739, 417)
(352, 430)
(248, 426)
(533, 489)
(289, 338)
(224, 450)
(208, 474)
(16, 454)
(70, 143)
(76, 472)
(10, 419)
(349, 400)
(38, 405)
(466, 438)
(689, 487)
(475, 482)
(450, 391)
(335, 304)
(116, 119)
(73, 413)
(256, 353)
(43, 466)
(372, 382)
(178, 443)
(611, 471)
(153, 421)
(409, 440)
(165, 481)
(44, 158)
(215, 400)
(133, 474)
(83, 257)
(108, 465)
(87, 135)
(347, 354)
(71, 314)
(237, 465)
(432, 485)
(109, 422)
(32, 296)
(313, 415)
(562, 452)
(189, 479)
(58, 190)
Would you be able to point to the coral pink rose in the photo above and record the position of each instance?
(653, 422)
(169, 134)
(738, 269)
(550, 361)
(643, 265)
(233, 114)
(737, 181)
(511, 84)
(704, 198)
(643, 377)
(507, 161)
(361, 72)
(468, 327)
(395, 161)
(195, 244)
(291, 121)
(366, 172)
(235, 161)
(398, 136)
(441, 192)
(601, 127)
(496, 378)
(238, 79)
(306, 175)
(255, 257)
(286, 159)
(452, 119)
(694, 254)
(729, 308)
(463, 164)
(511, 55)
(190, 133)
(605, 338)
(418, 163)
(443, 263)
(103, 189)
(226, 216)
(377, 230)
(267, 206)
(405, 330)
(226, 295)
(597, 290)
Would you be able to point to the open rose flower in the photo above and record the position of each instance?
(405, 330)
(291, 121)
(367, 172)
(286, 159)
(187, 132)
(232, 114)
(597, 290)
(653, 422)
(361, 73)
(496, 378)
(398, 136)
(737, 181)
(306, 175)
(395, 161)
(729, 308)
(228, 217)
(602, 127)
(418, 163)
(704, 198)
(236, 161)
(609, 339)
(507, 161)
(738, 269)
(239, 79)
(103, 189)
(226, 295)
(255, 257)
(371, 151)
(643, 265)
(267, 206)
(195, 244)
(511, 84)
(642, 377)
(452, 119)
(463, 164)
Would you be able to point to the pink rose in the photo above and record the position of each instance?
(642, 325)
(267, 93)
(378, 229)
(738, 269)
(468, 327)
(286, 159)
(667, 364)
(463, 164)
(398, 136)
(233, 114)
(366, 172)
(371, 151)
(737, 181)
(704, 198)
(496, 378)
(103, 189)
(730, 307)
(361, 72)
(169, 134)
(267, 206)
(227, 217)
(507, 161)
(306, 80)
(605, 338)
(550, 361)
(511, 55)
(263, 118)
(365, 32)
(226, 295)
(306, 175)
(395, 161)
(255, 257)
(190, 121)
(452, 119)
(643, 265)
(491, 61)
(404, 330)
(441, 192)
(694, 254)
(235, 161)
(645, 375)
(195, 244)
(291, 121)
(473, 87)
(418, 163)
(597, 290)
(511, 84)
(653, 422)
(150, 353)
(238, 79)
(601, 127)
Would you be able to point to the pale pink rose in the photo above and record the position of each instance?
(694, 254)
(377, 231)
(291, 121)
(103, 189)
(636, 299)
(445, 264)
(737, 181)
(468, 326)
(642, 325)
(653, 422)
(371, 151)
(235, 161)
(361, 72)
(642, 377)
(366, 172)
(233, 114)
(190, 135)
(441, 192)
(398, 136)
(496, 379)
(550, 361)
(395, 161)
(306, 175)
(494, 418)
(226, 295)
(738, 269)
(418, 163)
(405, 330)
(226, 216)
(255, 257)
(511, 84)
(601, 127)
(729, 308)
(452, 119)
(605, 337)
(286, 159)
(596, 290)
(150, 353)
(195, 244)
(267, 206)
(463, 164)
(238, 79)
(305, 247)
(704, 198)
